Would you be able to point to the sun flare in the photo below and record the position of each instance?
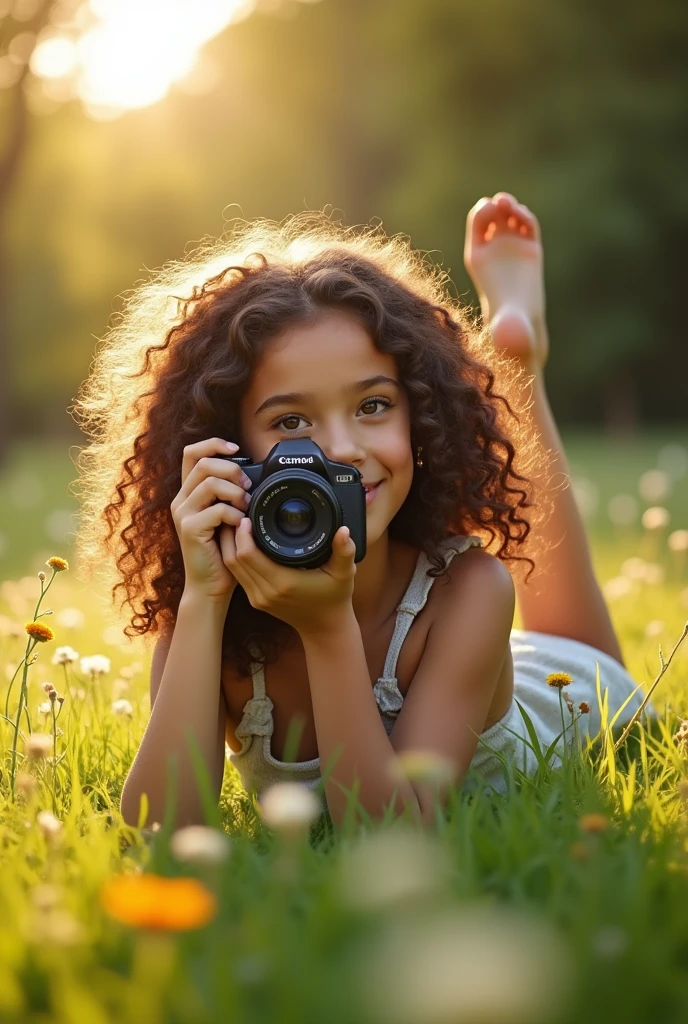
(126, 54)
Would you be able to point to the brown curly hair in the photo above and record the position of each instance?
(173, 367)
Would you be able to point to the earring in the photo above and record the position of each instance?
(419, 455)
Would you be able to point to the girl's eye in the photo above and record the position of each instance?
(290, 423)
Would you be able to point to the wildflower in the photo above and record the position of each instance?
(41, 577)
(569, 702)
(584, 707)
(122, 707)
(153, 901)
(45, 708)
(64, 655)
(678, 540)
(424, 766)
(48, 687)
(58, 564)
(38, 745)
(96, 664)
(49, 825)
(593, 823)
(559, 679)
(681, 735)
(39, 631)
(198, 844)
(289, 807)
(655, 518)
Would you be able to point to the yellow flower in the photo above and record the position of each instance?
(153, 901)
(559, 679)
(58, 564)
(39, 631)
(593, 823)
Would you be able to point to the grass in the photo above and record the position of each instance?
(561, 901)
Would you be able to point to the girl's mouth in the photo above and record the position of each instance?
(371, 490)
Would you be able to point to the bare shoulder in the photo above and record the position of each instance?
(475, 581)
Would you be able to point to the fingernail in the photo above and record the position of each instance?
(245, 480)
(232, 447)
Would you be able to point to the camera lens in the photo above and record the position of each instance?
(295, 517)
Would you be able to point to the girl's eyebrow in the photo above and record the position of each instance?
(296, 397)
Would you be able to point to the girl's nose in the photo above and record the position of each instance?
(341, 446)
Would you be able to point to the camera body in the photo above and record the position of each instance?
(299, 499)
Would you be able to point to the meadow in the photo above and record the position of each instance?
(566, 899)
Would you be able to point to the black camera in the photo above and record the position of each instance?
(299, 499)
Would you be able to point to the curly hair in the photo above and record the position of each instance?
(175, 363)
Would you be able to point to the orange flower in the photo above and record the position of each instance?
(559, 679)
(584, 707)
(58, 564)
(153, 901)
(39, 632)
(593, 822)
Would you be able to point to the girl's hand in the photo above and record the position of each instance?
(310, 600)
(213, 494)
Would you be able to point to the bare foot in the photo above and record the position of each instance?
(503, 255)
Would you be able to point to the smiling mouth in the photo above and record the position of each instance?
(371, 490)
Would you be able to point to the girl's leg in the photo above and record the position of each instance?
(503, 255)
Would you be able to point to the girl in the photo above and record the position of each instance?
(307, 330)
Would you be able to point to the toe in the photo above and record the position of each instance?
(480, 217)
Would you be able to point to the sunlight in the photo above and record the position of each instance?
(132, 51)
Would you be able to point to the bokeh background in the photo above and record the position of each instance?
(130, 129)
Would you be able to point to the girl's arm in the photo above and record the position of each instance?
(450, 694)
(186, 695)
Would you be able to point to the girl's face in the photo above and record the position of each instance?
(327, 382)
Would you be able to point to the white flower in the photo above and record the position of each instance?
(65, 655)
(289, 807)
(122, 707)
(45, 708)
(48, 824)
(198, 844)
(97, 664)
(655, 518)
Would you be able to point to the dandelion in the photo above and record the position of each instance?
(198, 844)
(58, 564)
(153, 901)
(678, 540)
(45, 708)
(559, 679)
(593, 823)
(39, 631)
(96, 665)
(49, 825)
(64, 656)
(655, 518)
(289, 807)
(122, 707)
(584, 707)
(38, 745)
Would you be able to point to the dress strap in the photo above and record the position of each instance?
(414, 600)
(257, 717)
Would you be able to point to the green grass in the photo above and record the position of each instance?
(507, 904)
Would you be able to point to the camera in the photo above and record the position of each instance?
(299, 499)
